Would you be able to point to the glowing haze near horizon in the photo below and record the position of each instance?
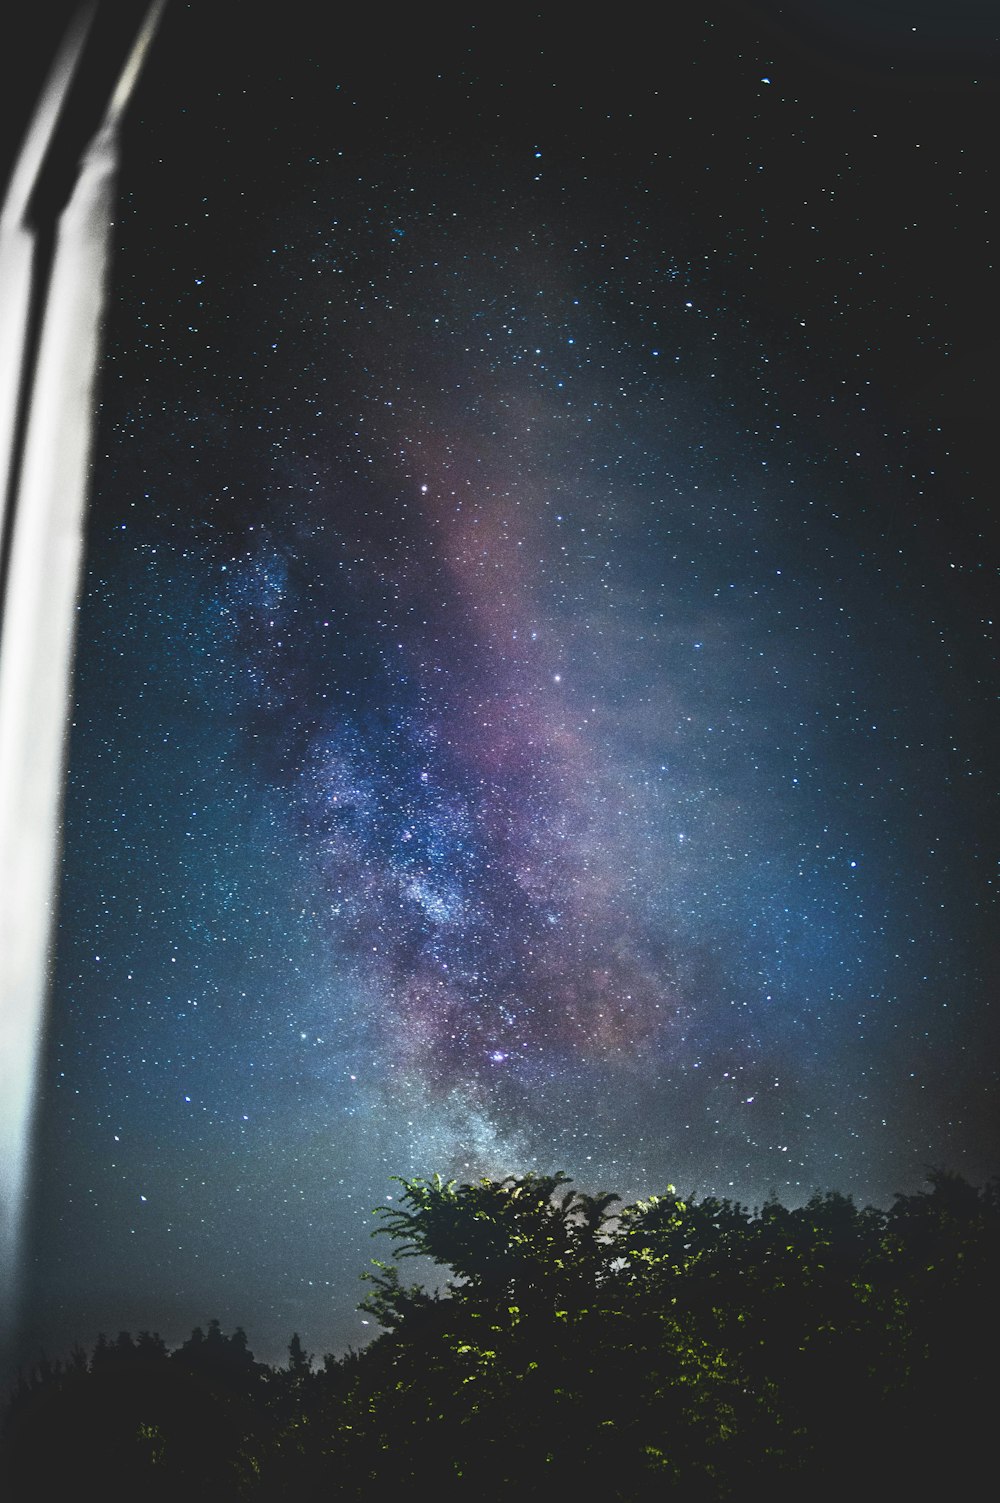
(533, 670)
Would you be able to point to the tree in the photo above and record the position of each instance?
(150, 1347)
(685, 1346)
(510, 1239)
(299, 1364)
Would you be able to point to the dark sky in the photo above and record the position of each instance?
(536, 671)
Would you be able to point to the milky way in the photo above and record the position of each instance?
(532, 674)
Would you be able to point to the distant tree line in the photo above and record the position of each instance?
(675, 1348)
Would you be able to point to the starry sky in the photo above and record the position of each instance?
(535, 682)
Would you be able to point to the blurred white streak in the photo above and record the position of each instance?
(42, 590)
(17, 245)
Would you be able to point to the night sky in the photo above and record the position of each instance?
(535, 680)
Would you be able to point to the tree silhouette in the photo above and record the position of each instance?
(299, 1364)
(688, 1347)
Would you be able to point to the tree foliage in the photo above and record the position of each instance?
(691, 1346)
